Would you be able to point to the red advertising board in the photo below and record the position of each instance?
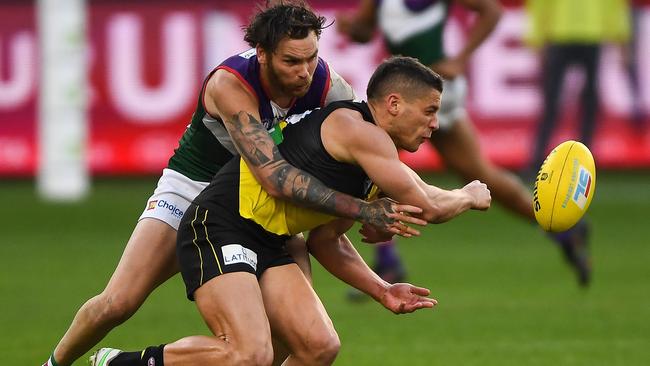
(147, 60)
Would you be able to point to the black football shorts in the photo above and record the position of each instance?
(210, 244)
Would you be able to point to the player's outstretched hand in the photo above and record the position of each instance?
(402, 298)
(372, 235)
(481, 194)
(391, 217)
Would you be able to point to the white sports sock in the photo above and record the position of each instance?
(49, 362)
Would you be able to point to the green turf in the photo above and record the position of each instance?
(506, 297)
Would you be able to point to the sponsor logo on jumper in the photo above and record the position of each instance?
(582, 189)
(235, 253)
(295, 118)
(151, 205)
(248, 54)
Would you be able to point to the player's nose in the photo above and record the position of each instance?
(303, 71)
(434, 125)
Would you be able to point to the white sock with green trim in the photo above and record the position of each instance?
(51, 361)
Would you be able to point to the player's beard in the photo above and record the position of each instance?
(293, 90)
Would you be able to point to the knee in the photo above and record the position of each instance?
(113, 308)
(261, 355)
(321, 349)
(220, 350)
(328, 349)
(256, 349)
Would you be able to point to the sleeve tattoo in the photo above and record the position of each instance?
(258, 149)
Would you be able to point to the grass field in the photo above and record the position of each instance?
(506, 297)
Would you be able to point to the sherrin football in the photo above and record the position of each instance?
(564, 186)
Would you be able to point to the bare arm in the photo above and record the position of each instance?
(226, 97)
(446, 199)
(329, 245)
(348, 139)
(438, 205)
(489, 13)
(360, 25)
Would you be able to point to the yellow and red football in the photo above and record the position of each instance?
(564, 186)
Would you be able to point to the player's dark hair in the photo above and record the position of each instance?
(404, 75)
(282, 19)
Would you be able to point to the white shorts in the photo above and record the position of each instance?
(452, 105)
(172, 197)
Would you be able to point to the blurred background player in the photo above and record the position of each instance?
(415, 28)
(630, 58)
(571, 34)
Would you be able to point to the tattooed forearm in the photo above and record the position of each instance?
(304, 188)
(255, 145)
(319, 195)
(251, 139)
(374, 213)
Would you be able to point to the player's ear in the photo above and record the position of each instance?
(262, 56)
(393, 103)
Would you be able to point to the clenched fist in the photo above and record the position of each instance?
(481, 194)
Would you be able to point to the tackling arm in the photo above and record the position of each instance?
(226, 97)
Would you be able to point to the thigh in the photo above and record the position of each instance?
(204, 248)
(297, 248)
(295, 312)
(554, 64)
(590, 59)
(232, 307)
(149, 259)
(460, 150)
(452, 105)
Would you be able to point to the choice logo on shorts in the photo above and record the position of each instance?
(177, 212)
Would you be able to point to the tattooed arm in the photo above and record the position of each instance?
(226, 97)
(250, 137)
